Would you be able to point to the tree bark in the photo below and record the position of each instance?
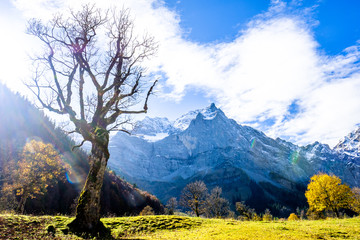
(88, 209)
(197, 209)
(21, 206)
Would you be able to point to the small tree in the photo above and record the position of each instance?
(267, 216)
(148, 210)
(326, 193)
(216, 205)
(355, 206)
(39, 167)
(301, 213)
(193, 196)
(244, 211)
(172, 205)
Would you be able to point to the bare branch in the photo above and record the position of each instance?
(106, 88)
(36, 90)
(81, 94)
(70, 80)
(71, 132)
(148, 94)
(78, 146)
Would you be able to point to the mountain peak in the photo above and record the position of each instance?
(213, 107)
(199, 116)
(207, 113)
(350, 144)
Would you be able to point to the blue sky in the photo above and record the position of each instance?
(337, 23)
(214, 20)
(288, 68)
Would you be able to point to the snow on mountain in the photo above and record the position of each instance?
(153, 129)
(350, 144)
(208, 113)
(155, 138)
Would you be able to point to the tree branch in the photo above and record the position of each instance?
(70, 80)
(73, 47)
(78, 146)
(81, 94)
(118, 112)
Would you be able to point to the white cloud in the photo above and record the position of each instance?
(256, 77)
(14, 61)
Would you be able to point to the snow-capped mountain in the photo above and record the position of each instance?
(155, 129)
(350, 144)
(205, 144)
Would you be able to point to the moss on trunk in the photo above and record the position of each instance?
(88, 209)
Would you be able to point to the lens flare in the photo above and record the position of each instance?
(72, 178)
(294, 157)
(253, 142)
(74, 175)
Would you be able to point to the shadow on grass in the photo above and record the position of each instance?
(98, 232)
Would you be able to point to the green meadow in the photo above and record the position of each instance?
(180, 227)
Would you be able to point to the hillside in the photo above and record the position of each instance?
(162, 157)
(21, 122)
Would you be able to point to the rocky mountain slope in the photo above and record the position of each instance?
(162, 157)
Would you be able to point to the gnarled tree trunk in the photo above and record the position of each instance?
(88, 208)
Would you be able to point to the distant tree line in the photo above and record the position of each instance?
(326, 195)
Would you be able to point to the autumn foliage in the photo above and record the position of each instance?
(327, 193)
(148, 210)
(40, 166)
(293, 217)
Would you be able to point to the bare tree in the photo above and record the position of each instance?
(97, 82)
(171, 205)
(193, 196)
(216, 205)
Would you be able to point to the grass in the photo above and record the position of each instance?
(138, 226)
(297, 230)
(181, 227)
(33, 227)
